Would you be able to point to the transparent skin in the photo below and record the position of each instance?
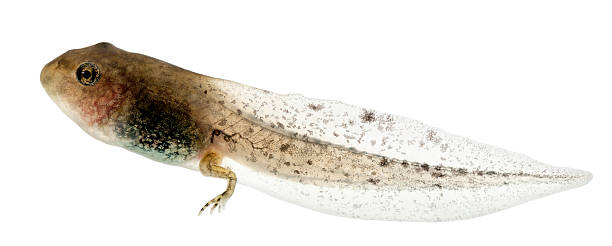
(324, 155)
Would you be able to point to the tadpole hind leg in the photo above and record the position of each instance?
(210, 166)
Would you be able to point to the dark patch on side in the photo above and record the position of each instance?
(373, 181)
(160, 129)
(309, 162)
(368, 116)
(405, 164)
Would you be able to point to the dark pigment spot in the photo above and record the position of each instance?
(284, 147)
(214, 134)
(432, 136)
(462, 171)
(384, 162)
(373, 181)
(368, 116)
(437, 175)
(315, 107)
(222, 122)
(425, 167)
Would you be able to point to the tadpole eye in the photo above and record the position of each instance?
(88, 74)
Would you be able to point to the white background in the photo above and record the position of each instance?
(531, 76)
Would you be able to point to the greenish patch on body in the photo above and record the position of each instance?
(160, 130)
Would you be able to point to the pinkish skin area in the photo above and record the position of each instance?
(101, 107)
